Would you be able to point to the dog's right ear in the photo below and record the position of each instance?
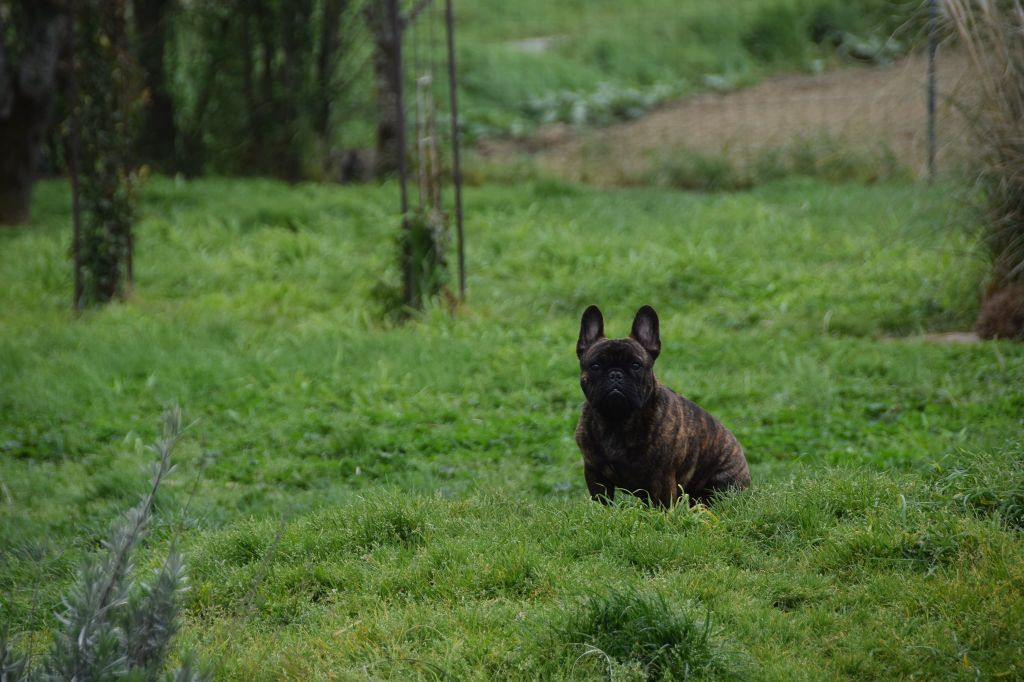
(591, 329)
(645, 331)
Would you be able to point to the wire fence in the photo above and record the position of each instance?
(429, 154)
(697, 97)
(617, 93)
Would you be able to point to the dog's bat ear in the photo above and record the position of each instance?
(591, 329)
(645, 331)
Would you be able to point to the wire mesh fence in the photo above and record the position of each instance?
(621, 93)
(426, 103)
(697, 95)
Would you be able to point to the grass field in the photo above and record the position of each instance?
(356, 498)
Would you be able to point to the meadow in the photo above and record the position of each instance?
(359, 498)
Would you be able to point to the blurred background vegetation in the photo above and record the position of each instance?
(286, 88)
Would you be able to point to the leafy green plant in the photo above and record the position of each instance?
(606, 104)
(778, 34)
(423, 240)
(828, 21)
(858, 30)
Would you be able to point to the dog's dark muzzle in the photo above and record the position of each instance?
(615, 386)
(616, 394)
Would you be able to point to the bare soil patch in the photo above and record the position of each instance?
(950, 337)
(866, 106)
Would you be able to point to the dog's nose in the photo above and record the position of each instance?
(616, 375)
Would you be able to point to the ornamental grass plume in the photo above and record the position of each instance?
(991, 32)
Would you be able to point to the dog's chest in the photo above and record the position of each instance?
(625, 460)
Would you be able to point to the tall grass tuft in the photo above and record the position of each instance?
(113, 626)
(988, 484)
(424, 238)
(992, 34)
(642, 632)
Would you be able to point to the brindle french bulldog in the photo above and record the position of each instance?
(640, 436)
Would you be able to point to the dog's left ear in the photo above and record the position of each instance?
(645, 331)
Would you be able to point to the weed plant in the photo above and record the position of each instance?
(822, 156)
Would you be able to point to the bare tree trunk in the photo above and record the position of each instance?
(248, 88)
(329, 46)
(193, 151)
(27, 93)
(386, 73)
(265, 23)
(296, 21)
(159, 132)
(105, 142)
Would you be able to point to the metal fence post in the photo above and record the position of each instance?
(399, 75)
(75, 146)
(933, 15)
(456, 166)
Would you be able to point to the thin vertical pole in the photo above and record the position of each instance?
(933, 13)
(456, 165)
(127, 164)
(396, 37)
(76, 141)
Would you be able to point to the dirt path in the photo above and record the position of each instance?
(865, 106)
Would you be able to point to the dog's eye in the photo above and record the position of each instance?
(636, 364)
(595, 366)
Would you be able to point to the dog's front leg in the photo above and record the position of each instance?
(600, 489)
(665, 492)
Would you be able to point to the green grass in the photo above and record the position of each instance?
(822, 156)
(408, 501)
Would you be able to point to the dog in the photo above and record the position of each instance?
(638, 435)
